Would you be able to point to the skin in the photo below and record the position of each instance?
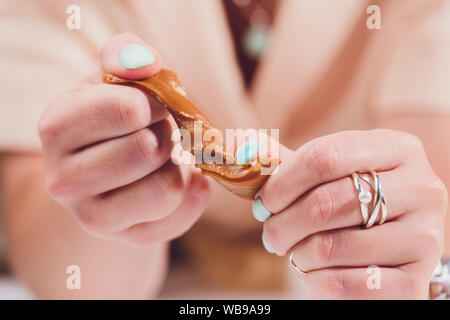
(317, 213)
(106, 161)
(118, 129)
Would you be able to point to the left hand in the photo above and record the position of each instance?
(315, 208)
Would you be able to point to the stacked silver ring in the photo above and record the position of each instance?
(378, 211)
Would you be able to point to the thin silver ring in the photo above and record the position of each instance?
(361, 193)
(293, 265)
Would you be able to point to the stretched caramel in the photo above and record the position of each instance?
(243, 180)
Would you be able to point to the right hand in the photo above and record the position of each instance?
(107, 151)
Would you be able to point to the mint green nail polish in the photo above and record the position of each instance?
(246, 152)
(135, 56)
(267, 246)
(259, 211)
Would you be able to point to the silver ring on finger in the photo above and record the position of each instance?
(292, 263)
(365, 197)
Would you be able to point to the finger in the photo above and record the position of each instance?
(117, 162)
(335, 156)
(178, 222)
(246, 144)
(94, 78)
(364, 283)
(128, 56)
(149, 199)
(336, 205)
(93, 114)
(391, 244)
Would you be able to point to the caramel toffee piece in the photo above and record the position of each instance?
(243, 180)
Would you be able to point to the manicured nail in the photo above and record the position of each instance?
(267, 246)
(246, 152)
(135, 56)
(259, 211)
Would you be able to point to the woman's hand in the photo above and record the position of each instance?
(108, 154)
(315, 209)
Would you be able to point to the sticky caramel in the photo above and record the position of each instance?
(243, 180)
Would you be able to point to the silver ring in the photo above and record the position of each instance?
(364, 198)
(375, 184)
(292, 263)
(379, 202)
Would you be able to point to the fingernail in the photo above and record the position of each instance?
(259, 211)
(267, 246)
(246, 152)
(135, 56)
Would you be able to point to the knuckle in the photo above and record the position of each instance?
(52, 187)
(322, 159)
(52, 121)
(133, 111)
(335, 284)
(411, 141)
(436, 194)
(324, 247)
(161, 134)
(145, 145)
(90, 222)
(432, 240)
(200, 190)
(171, 184)
(322, 205)
(440, 193)
(47, 126)
(203, 186)
(58, 187)
(94, 219)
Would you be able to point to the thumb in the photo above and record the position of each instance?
(128, 56)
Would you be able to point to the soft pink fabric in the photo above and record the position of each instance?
(325, 71)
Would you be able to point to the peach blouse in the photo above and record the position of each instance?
(325, 70)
